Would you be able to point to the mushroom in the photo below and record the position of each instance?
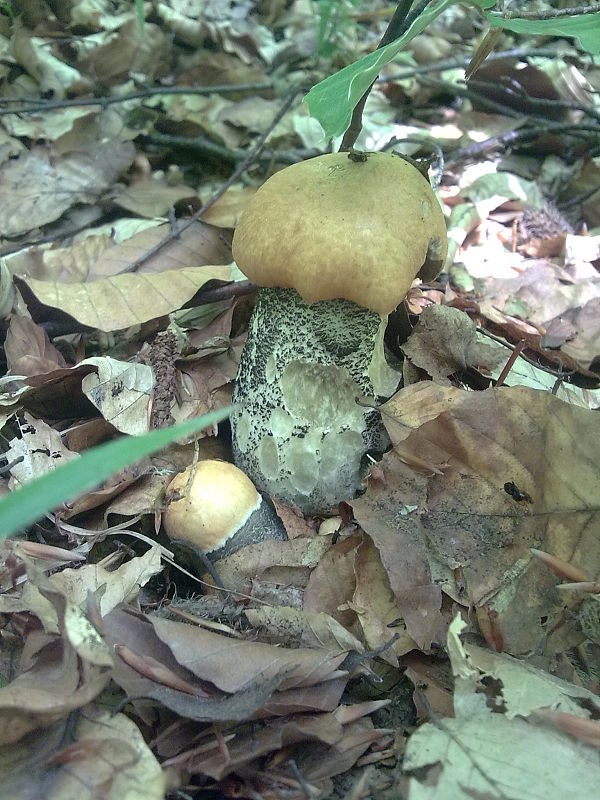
(215, 510)
(342, 240)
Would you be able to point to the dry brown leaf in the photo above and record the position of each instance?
(332, 582)
(294, 521)
(391, 512)
(123, 627)
(54, 682)
(432, 679)
(145, 496)
(118, 302)
(213, 67)
(198, 245)
(65, 264)
(131, 51)
(33, 53)
(414, 405)
(200, 382)
(262, 740)
(445, 341)
(36, 190)
(296, 628)
(41, 448)
(320, 697)
(153, 197)
(105, 756)
(110, 587)
(254, 693)
(522, 473)
(232, 664)
(343, 755)
(122, 392)
(376, 607)
(28, 349)
(226, 211)
(239, 570)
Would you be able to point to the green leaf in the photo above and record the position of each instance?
(28, 504)
(584, 27)
(332, 101)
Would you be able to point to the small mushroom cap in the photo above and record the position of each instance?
(334, 228)
(218, 501)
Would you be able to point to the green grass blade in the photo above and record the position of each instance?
(32, 501)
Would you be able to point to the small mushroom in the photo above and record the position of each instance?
(215, 510)
(342, 241)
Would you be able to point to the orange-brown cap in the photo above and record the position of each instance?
(213, 507)
(334, 228)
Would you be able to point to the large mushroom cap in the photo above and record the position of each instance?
(335, 228)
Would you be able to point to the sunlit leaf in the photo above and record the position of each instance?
(332, 101)
(583, 27)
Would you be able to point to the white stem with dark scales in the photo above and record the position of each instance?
(299, 433)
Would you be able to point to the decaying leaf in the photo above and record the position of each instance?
(484, 752)
(445, 341)
(104, 756)
(35, 190)
(521, 472)
(121, 391)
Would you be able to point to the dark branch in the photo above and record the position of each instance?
(17, 106)
(397, 26)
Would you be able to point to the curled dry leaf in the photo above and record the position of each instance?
(28, 349)
(55, 680)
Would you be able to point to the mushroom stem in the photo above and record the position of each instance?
(299, 432)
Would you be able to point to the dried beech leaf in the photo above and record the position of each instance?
(231, 664)
(522, 472)
(115, 303)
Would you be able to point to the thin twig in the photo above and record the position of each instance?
(202, 144)
(457, 63)
(7, 467)
(494, 105)
(20, 107)
(519, 94)
(306, 789)
(250, 158)
(517, 350)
